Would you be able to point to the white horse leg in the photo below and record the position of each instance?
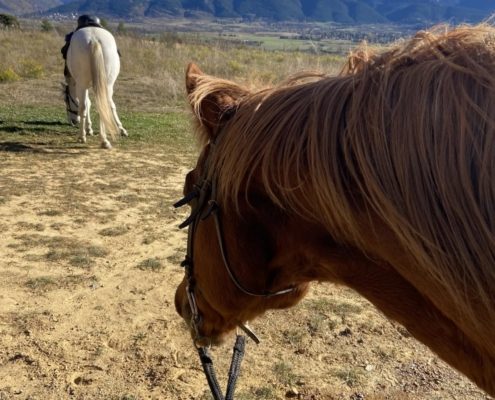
(83, 113)
(89, 124)
(104, 141)
(122, 131)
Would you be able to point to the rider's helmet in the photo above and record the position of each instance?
(88, 20)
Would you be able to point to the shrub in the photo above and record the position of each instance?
(8, 75)
(235, 66)
(31, 69)
(9, 21)
(121, 29)
(46, 26)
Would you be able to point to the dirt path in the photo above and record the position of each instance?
(89, 253)
(89, 265)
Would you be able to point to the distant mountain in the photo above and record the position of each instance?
(19, 7)
(344, 11)
(485, 5)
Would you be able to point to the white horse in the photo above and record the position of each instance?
(92, 61)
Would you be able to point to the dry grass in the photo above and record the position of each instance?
(152, 74)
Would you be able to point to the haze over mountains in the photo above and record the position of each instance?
(20, 7)
(343, 11)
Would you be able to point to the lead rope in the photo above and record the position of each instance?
(235, 368)
(207, 364)
(235, 365)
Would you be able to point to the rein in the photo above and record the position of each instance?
(202, 200)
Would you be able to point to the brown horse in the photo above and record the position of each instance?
(381, 179)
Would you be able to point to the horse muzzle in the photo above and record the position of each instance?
(202, 333)
(73, 120)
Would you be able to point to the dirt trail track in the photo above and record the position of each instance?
(74, 304)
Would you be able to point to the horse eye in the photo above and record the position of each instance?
(193, 203)
(191, 180)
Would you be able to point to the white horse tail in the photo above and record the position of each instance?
(100, 87)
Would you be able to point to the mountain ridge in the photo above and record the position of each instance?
(343, 11)
(19, 7)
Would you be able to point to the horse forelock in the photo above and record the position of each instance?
(408, 134)
(225, 94)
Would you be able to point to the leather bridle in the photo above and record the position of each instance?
(69, 100)
(202, 199)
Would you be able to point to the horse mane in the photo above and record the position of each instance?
(226, 96)
(407, 135)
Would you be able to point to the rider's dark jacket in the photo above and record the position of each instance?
(83, 22)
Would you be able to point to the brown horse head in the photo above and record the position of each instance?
(235, 287)
(381, 179)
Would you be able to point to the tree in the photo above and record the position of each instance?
(121, 29)
(46, 26)
(9, 21)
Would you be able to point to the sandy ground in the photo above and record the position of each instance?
(90, 254)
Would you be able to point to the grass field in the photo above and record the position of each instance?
(274, 42)
(49, 125)
(91, 249)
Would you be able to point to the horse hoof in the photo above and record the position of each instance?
(82, 140)
(123, 132)
(106, 145)
(91, 133)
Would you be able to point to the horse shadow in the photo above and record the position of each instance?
(36, 130)
(36, 127)
(44, 123)
(41, 148)
(30, 132)
(10, 129)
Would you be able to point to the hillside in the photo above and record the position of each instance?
(27, 6)
(342, 11)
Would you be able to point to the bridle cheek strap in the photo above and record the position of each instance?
(70, 101)
(203, 205)
(213, 209)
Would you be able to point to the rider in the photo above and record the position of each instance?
(83, 21)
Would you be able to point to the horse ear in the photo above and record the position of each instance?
(192, 74)
(213, 100)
